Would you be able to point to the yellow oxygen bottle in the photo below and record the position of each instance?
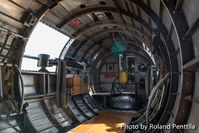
(123, 77)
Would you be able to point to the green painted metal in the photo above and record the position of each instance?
(118, 48)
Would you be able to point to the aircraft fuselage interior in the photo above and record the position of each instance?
(128, 66)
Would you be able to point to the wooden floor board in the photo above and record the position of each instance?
(105, 122)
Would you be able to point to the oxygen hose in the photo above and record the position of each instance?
(156, 87)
